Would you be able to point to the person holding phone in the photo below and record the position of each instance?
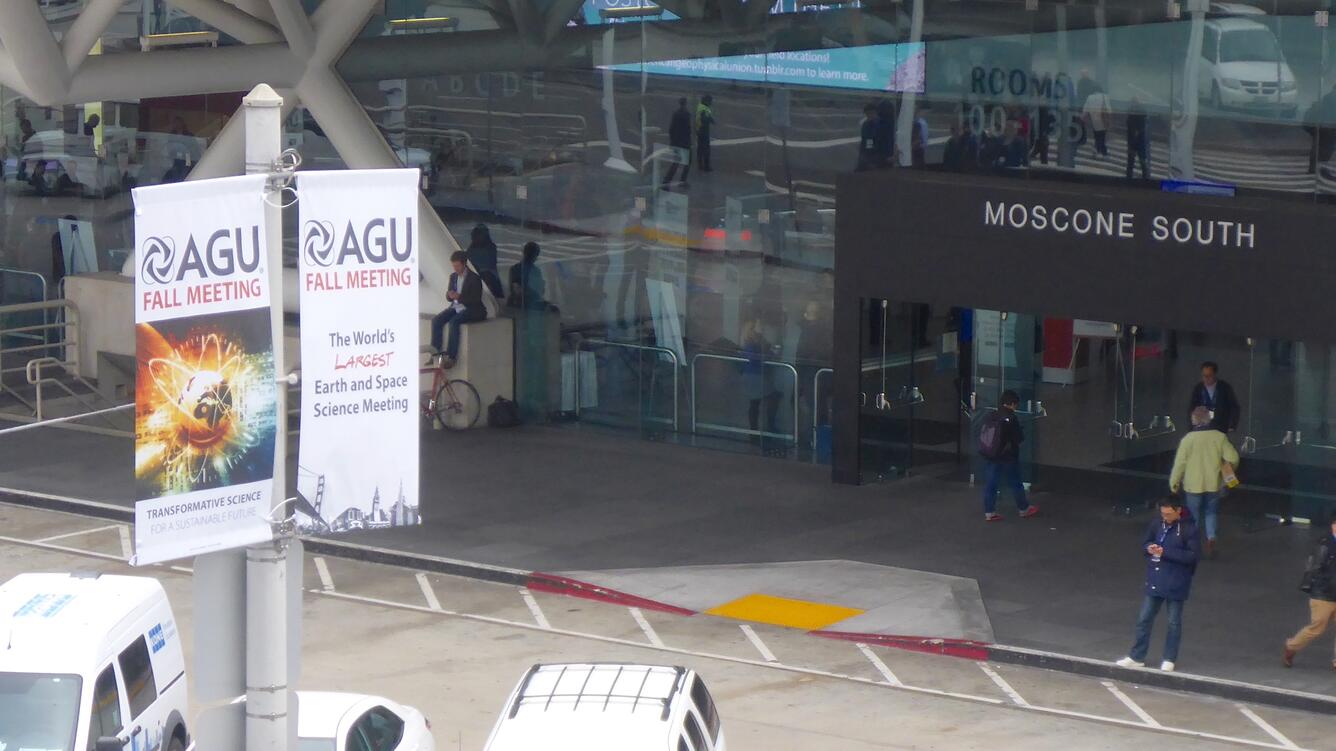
(1171, 548)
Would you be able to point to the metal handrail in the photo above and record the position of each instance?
(730, 428)
(34, 367)
(69, 340)
(579, 347)
(22, 272)
(41, 280)
(816, 403)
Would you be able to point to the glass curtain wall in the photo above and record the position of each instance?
(682, 286)
(66, 171)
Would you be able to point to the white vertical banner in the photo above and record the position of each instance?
(205, 389)
(358, 462)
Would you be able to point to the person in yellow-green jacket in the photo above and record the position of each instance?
(1197, 472)
(704, 122)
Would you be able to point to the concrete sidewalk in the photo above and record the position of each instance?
(626, 514)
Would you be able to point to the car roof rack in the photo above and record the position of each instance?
(606, 697)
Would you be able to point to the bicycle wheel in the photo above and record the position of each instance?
(458, 405)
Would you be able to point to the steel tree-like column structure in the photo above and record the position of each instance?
(282, 46)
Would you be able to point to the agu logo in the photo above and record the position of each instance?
(318, 243)
(156, 259)
(225, 252)
(378, 241)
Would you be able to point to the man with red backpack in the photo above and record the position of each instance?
(1000, 440)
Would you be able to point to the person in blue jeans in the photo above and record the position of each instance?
(1000, 444)
(1172, 547)
(1197, 472)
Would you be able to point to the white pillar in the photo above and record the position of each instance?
(904, 128)
(226, 153)
(266, 565)
(87, 29)
(27, 39)
(1183, 115)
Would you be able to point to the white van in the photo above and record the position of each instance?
(1242, 67)
(90, 663)
(608, 707)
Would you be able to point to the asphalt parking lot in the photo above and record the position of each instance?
(454, 647)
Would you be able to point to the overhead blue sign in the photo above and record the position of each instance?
(878, 67)
(1197, 188)
(593, 11)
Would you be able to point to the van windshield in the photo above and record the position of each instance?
(38, 711)
(1250, 45)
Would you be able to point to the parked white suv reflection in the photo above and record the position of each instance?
(1241, 66)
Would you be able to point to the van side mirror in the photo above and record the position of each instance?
(109, 743)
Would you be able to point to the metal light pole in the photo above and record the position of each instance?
(266, 565)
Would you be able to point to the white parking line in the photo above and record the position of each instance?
(756, 642)
(645, 626)
(127, 549)
(879, 665)
(1127, 702)
(1267, 727)
(68, 535)
(322, 568)
(1001, 682)
(428, 591)
(538, 616)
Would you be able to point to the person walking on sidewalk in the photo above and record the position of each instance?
(1197, 472)
(1000, 441)
(1097, 116)
(1320, 584)
(679, 140)
(1171, 546)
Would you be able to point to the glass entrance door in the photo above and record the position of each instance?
(889, 392)
(1006, 358)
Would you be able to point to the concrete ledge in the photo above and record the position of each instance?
(486, 359)
(1187, 682)
(105, 301)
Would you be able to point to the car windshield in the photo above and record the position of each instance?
(315, 744)
(1251, 45)
(38, 711)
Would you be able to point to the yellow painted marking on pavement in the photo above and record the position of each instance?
(782, 611)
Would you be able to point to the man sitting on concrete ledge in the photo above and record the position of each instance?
(465, 296)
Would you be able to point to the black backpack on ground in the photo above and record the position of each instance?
(503, 413)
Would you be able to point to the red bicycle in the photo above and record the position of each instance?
(452, 402)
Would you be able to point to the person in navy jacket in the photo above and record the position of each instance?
(1172, 547)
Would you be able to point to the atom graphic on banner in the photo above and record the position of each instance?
(205, 403)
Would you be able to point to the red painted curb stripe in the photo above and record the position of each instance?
(970, 650)
(562, 585)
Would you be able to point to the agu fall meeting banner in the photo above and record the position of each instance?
(205, 390)
(358, 263)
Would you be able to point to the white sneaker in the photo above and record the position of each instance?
(1128, 662)
(1167, 666)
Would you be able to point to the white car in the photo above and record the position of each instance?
(1241, 66)
(608, 707)
(329, 721)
